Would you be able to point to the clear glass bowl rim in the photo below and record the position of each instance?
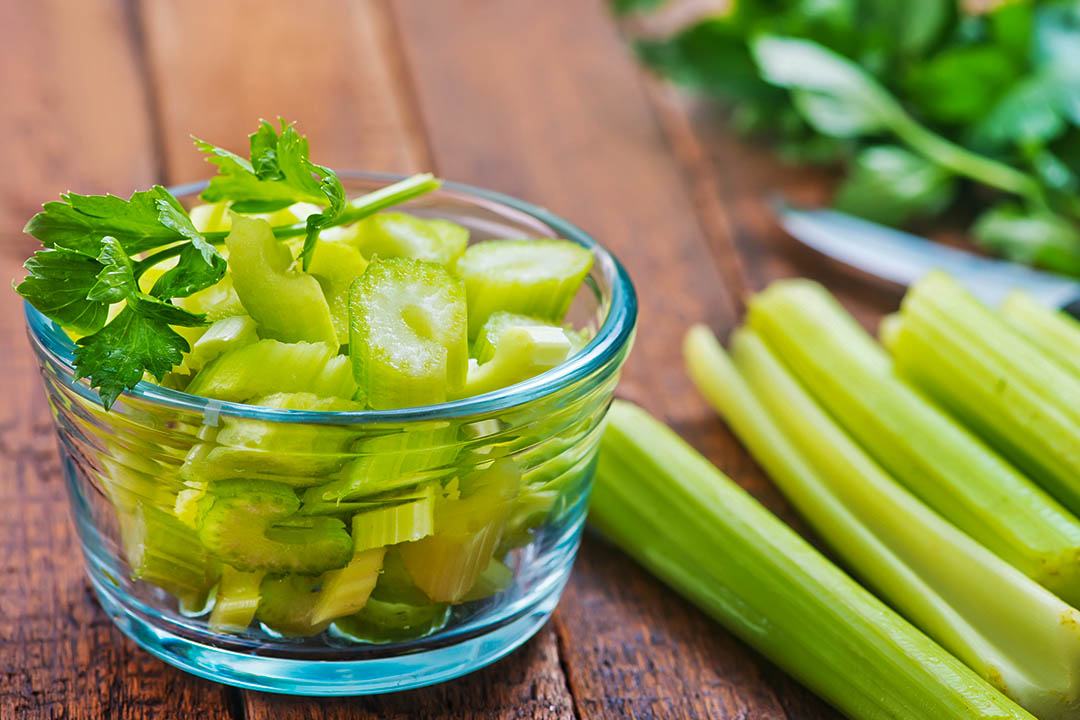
(604, 348)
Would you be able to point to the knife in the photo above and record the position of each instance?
(903, 258)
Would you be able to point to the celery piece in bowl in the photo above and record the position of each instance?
(678, 515)
(407, 333)
(287, 304)
(538, 278)
(936, 458)
(1014, 633)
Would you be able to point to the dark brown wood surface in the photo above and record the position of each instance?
(539, 100)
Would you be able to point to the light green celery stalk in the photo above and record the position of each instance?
(684, 520)
(1056, 333)
(1011, 631)
(994, 380)
(931, 454)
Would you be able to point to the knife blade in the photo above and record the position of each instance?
(903, 258)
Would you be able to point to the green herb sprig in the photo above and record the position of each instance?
(97, 247)
(923, 102)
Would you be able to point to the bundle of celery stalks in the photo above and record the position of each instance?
(941, 470)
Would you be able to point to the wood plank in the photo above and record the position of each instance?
(548, 106)
(75, 119)
(327, 64)
(74, 115)
(338, 71)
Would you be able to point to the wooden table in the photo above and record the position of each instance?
(538, 100)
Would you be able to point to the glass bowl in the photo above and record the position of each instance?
(505, 477)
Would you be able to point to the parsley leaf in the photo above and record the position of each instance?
(191, 274)
(334, 190)
(115, 357)
(58, 283)
(78, 222)
(278, 174)
(890, 185)
(139, 338)
(116, 279)
(87, 267)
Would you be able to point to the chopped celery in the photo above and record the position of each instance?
(398, 234)
(237, 600)
(269, 367)
(684, 520)
(249, 524)
(495, 579)
(446, 565)
(287, 605)
(223, 335)
(1055, 332)
(407, 333)
(483, 348)
(216, 302)
(287, 304)
(538, 278)
(521, 353)
(391, 462)
(163, 551)
(386, 621)
(967, 358)
(936, 458)
(394, 524)
(1015, 634)
(396, 609)
(301, 453)
(209, 217)
(347, 590)
(335, 265)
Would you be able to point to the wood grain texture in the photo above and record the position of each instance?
(578, 137)
(74, 118)
(330, 65)
(73, 110)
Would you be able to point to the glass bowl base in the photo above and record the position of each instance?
(328, 677)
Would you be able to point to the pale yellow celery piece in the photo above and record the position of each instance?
(446, 564)
(347, 590)
(395, 524)
(287, 304)
(210, 342)
(684, 520)
(522, 352)
(1014, 633)
(237, 600)
(931, 454)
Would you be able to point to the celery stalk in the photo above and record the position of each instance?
(683, 519)
(931, 454)
(997, 383)
(1015, 634)
(237, 599)
(394, 524)
(1056, 333)
(347, 590)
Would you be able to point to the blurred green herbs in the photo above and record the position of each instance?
(922, 102)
